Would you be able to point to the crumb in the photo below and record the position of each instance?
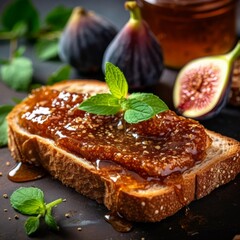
(16, 217)
(1, 174)
(9, 219)
(67, 215)
(5, 210)
(8, 163)
(79, 229)
(5, 195)
(64, 200)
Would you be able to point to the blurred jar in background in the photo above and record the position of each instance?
(188, 29)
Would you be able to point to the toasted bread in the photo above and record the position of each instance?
(151, 204)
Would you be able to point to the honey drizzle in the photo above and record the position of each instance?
(118, 222)
(24, 172)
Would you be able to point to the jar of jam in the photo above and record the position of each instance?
(188, 29)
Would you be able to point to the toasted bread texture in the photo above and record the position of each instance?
(150, 203)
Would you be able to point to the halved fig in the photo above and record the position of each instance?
(201, 87)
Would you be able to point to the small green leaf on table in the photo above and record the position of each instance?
(30, 201)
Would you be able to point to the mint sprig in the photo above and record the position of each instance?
(30, 201)
(137, 107)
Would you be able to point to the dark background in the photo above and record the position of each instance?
(216, 216)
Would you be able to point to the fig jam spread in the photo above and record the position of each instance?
(155, 148)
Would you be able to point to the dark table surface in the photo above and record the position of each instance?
(216, 216)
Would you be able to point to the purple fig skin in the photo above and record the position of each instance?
(84, 40)
(136, 51)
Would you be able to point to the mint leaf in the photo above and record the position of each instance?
(116, 81)
(31, 225)
(47, 49)
(21, 11)
(50, 221)
(58, 17)
(137, 111)
(152, 100)
(102, 104)
(29, 201)
(17, 73)
(62, 73)
(30, 207)
(4, 110)
(137, 107)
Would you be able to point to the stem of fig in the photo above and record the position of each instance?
(231, 56)
(76, 14)
(135, 13)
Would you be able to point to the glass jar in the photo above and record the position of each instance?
(188, 29)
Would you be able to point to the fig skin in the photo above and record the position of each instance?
(84, 40)
(202, 86)
(136, 51)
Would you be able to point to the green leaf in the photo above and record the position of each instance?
(4, 110)
(58, 17)
(138, 111)
(28, 201)
(21, 11)
(4, 61)
(47, 49)
(116, 81)
(138, 107)
(16, 100)
(31, 225)
(18, 73)
(19, 52)
(50, 221)
(19, 29)
(3, 134)
(62, 73)
(35, 86)
(152, 100)
(30, 207)
(102, 104)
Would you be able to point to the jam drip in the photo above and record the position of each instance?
(155, 148)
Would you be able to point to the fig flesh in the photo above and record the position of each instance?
(201, 87)
(84, 40)
(136, 51)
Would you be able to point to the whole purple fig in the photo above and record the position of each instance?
(136, 51)
(84, 40)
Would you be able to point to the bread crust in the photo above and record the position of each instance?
(221, 165)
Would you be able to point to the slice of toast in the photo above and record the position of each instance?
(153, 202)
